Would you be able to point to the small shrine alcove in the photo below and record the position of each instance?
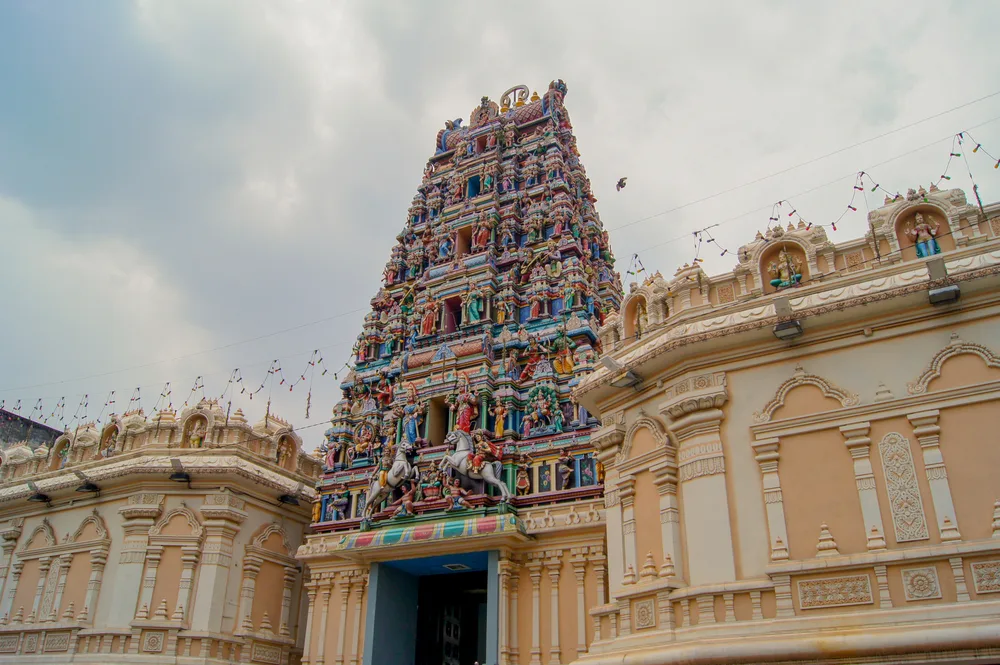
(285, 457)
(906, 221)
(195, 432)
(780, 263)
(109, 440)
(636, 320)
(60, 453)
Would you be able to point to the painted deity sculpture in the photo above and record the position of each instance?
(456, 496)
(465, 406)
(412, 415)
(339, 503)
(483, 451)
(523, 483)
(924, 235)
(785, 270)
(472, 304)
(500, 411)
(566, 467)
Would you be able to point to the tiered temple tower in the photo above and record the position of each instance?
(487, 319)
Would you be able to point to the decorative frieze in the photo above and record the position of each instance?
(835, 592)
(920, 583)
(901, 485)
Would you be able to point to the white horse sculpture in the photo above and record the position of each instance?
(460, 462)
(400, 472)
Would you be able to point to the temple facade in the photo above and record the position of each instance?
(800, 464)
(164, 539)
(461, 515)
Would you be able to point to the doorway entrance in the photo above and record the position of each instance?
(451, 619)
(439, 610)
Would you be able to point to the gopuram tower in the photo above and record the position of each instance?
(457, 440)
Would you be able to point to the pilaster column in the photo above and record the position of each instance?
(325, 594)
(189, 559)
(607, 442)
(345, 596)
(98, 561)
(251, 567)
(767, 457)
(506, 570)
(670, 516)
(138, 516)
(310, 615)
(535, 572)
(8, 542)
(222, 514)
(361, 582)
(626, 494)
(514, 591)
(291, 574)
(15, 577)
(859, 445)
(552, 566)
(579, 562)
(63, 567)
(694, 411)
(44, 565)
(153, 555)
(928, 434)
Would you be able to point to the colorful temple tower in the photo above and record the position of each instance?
(487, 319)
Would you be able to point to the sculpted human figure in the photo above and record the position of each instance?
(785, 270)
(924, 236)
(465, 407)
(566, 467)
(457, 494)
(499, 414)
(523, 482)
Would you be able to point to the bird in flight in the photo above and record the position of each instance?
(621, 184)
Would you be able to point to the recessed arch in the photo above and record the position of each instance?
(803, 378)
(955, 348)
(187, 513)
(643, 422)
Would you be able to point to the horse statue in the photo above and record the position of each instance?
(400, 472)
(460, 462)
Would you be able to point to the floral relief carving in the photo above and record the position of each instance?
(702, 467)
(907, 507)
(955, 348)
(803, 378)
(8, 643)
(986, 576)
(645, 614)
(152, 641)
(921, 583)
(835, 592)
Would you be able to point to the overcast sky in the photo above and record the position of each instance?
(176, 177)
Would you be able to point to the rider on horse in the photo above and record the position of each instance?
(484, 451)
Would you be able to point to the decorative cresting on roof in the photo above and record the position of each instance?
(644, 421)
(804, 378)
(955, 348)
(192, 519)
(47, 532)
(98, 522)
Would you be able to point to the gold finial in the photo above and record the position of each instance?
(535, 97)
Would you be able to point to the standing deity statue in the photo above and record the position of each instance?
(428, 322)
(466, 407)
(499, 416)
(923, 235)
(412, 414)
(501, 309)
(472, 305)
(523, 483)
(566, 467)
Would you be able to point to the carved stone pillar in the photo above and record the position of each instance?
(9, 534)
(552, 566)
(626, 494)
(361, 583)
(98, 561)
(64, 563)
(345, 596)
(325, 594)
(535, 572)
(766, 454)
(310, 617)
(138, 517)
(670, 516)
(514, 591)
(291, 574)
(189, 559)
(859, 445)
(507, 570)
(153, 555)
(222, 515)
(251, 567)
(693, 409)
(579, 562)
(607, 442)
(15, 577)
(928, 433)
(44, 565)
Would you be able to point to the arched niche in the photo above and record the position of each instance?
(59, 455)
(636, 321)
(109, 440)
(772, 258)
(195, 432)
(906, 219)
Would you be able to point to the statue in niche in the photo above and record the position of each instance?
(923, 235)
(535, 353)
(500, 411)
(563, 345)
(472, 304)
(501, 309)
(197, 436)
(412, 414)
(112, 444)
(339, 503)
(566, 467)
(523, 483)
(428, 323)
(431, 485)
(333, 447)
(785, 270)
(640, 320)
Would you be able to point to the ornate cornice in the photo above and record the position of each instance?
(694, 393)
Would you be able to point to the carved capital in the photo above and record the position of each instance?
(694, 393)
(607, 442)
